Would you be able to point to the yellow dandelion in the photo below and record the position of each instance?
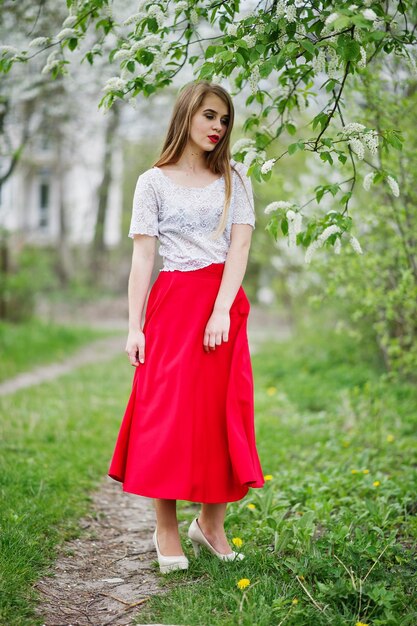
(301, 577)
(268, 477)
(354, 471)
(360, 624)
(376, 483)
(346, 444)
(365, 471)
(237, 541)
(243, 583)
(294, 601)
(390, 438)
(271, 391)
(251, 506)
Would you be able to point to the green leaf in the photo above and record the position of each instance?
(291, 128)
(284, 226)
(307, 45)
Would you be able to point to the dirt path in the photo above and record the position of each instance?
(106, 575)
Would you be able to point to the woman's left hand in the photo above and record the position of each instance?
(217, 330)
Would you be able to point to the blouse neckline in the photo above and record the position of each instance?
(184, 186)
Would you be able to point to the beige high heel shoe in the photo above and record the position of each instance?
(169, 563)
(198, 539)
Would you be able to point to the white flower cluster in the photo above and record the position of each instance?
(182, 5)
(51, 63)
(280, 8)
(267, 166)
(7, 50)
(250, 40)
(331, 18)
(393, 185)
(274, 206)
(368, 181)
(319, 62)
(123, 54)
(133, 18)
(362, 61)
(115, 83)
(369, 14)
(253, 154)
(355, 244)
(254, 79)
(333, 64)
(294, 219)
(242, 145)
(215, 79)
(319, 242)
(232, 30)
(291, 13)
(70, 21)
(66, 33)
(194, 19)
(369, 138)
(154, 10)
(39, 42)
(260, 28)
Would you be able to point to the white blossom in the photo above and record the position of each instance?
(331, 18)
(355, 244)
(321, 239)
(8, 50)
(66, 33)
(368, 180)
(215, 79)
(393, 185)
(122, 54)
(274, 206)
(39, 42)
(280, 8)
(362, 60)
(194, 19)
(357, 147)
(250, 156)
(353, 7)
(242, 144)
(368, 14)
(250, 40)
(267, 166)
(155, 11)
(371, 140)
(232, 30)
(291, 13)
(260, 28)
(337, 246)
(181, 6)
(115, 83)
(132, 19)
(319, 61)
(70, 21)
(353, 127)
(254, 79)
(333, 64)
(294, 226)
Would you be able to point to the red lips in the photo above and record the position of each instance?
(214, 138)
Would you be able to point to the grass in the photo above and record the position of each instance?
(26, 345)
(331, 537)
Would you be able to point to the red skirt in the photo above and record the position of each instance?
(188, 428)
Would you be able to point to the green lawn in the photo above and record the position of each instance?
(37, 342)
(329, 540)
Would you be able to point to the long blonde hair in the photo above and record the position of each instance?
(188, 102)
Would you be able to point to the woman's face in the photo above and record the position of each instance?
(209, 123)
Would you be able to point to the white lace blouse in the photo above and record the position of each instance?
(183, 217)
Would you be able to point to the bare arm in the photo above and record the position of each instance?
(143, 258)
(217, 329)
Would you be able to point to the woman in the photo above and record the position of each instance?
(188, 430)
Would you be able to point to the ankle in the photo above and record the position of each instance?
(210, 527)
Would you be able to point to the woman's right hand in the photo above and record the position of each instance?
(135, 347)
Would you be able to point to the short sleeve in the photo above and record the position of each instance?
(145, 208)
(243, 203)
